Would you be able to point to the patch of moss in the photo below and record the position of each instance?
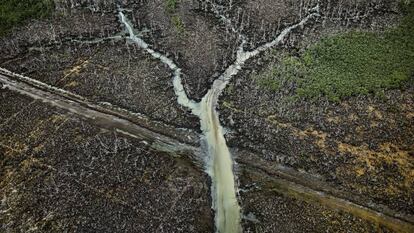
(354, 63)
(15, 12)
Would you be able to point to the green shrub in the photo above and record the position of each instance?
(171, 5)
(15, 12)
(178, 23)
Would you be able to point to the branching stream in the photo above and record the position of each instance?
(219, 162)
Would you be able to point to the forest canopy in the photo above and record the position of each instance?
(15, 12)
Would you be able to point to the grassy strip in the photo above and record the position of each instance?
(15, 12)
(354, 63)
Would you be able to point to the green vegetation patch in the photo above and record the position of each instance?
(15, 12)
(349, 64)
(178, 23)
(171, 5)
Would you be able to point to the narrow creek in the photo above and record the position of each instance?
(219, 162)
